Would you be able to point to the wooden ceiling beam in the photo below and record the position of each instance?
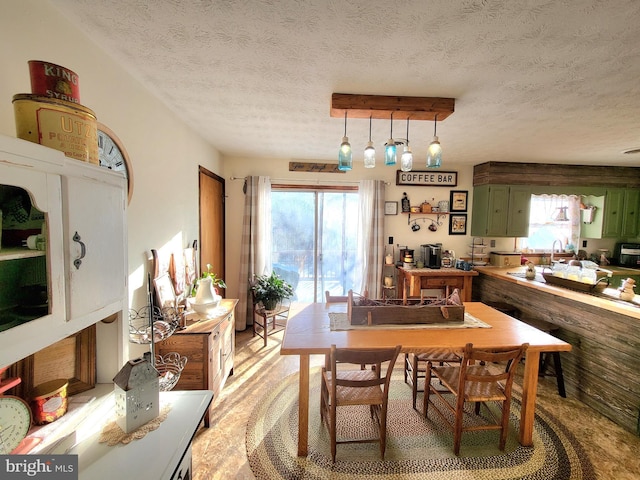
(381, 107)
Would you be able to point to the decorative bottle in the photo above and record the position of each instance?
(406, 206)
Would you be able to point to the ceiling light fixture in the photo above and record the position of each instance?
(369, 151)
(406, 160)
(390, 148)
(401, 108)
(345, 157)
(434, 153)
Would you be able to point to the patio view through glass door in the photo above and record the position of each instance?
(314, 240)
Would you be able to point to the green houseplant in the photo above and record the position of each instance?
(270, 290)
(215, 281)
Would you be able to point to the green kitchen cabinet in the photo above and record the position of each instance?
(630, 225)
(501, 211)
(621, 213)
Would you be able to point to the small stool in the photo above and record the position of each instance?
(544, 356)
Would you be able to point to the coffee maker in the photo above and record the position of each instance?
(432, 255)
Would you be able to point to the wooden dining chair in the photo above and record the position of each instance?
(477, 379)
(335, 298)
(415, 366)
(344, 385)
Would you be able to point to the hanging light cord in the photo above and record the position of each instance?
(435, 123)
(370, 127)
(391, 125)
(345, 123)
(407, 131)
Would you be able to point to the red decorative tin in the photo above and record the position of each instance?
(51, 80)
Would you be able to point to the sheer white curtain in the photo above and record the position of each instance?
(255, 253)
(546, 225)
(371, 235)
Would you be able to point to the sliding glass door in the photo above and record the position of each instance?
(314, 240)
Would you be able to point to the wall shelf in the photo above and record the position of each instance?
(437, 214)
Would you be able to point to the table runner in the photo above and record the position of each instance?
(338, 321)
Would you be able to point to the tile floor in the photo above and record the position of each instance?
(220, 453)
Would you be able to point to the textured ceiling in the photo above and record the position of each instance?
(534, 81)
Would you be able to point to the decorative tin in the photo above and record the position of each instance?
(49, 401)
(54, 81)
(65, 126)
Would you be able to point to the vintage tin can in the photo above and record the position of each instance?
(49, 401)
(65, 126)
(54, 81)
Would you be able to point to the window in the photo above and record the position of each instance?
(553, 217)
(314, 233)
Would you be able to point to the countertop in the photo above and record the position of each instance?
(613, 304)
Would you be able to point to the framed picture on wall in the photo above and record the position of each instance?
(458, 224)
(458, 200)
(390, 208)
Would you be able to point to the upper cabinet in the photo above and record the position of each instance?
(621, 213)
(500, 211)
(63, 247)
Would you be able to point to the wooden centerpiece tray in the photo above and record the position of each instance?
(599, 286)
(365, 311)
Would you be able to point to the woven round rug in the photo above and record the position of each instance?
(417, 448)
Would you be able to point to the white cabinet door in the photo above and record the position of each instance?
(94, 238)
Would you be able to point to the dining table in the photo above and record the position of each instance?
(308, 332)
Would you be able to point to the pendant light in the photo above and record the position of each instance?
(345, 157)
(406, 160)
(434, 153)
(390, 148)
(369, 151)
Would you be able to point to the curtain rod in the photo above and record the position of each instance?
(283, 180)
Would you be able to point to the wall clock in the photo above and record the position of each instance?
(15, 421)
(114, 156)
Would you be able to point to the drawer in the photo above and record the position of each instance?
(442, 282)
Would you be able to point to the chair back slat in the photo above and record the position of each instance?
(471, 372)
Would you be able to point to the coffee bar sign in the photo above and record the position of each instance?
(427, 178)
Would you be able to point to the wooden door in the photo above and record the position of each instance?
(212, 195)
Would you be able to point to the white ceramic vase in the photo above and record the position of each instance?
(206, 293)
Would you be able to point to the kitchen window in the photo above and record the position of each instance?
(553, 217)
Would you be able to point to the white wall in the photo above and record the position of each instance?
(164, 151)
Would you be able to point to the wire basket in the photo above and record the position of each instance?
(147, 323)
(170, 367)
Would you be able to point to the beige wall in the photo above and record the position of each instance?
(164, 151)
(395, 226)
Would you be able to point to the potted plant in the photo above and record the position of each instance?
(270, 290)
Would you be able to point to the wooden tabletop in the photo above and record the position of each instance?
(308, 332)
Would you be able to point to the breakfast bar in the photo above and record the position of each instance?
(601, 370)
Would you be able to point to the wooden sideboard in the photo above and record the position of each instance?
(209, 345)
(411, 281)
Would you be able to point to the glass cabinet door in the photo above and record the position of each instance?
(31, 295)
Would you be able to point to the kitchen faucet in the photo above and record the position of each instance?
(553, 247)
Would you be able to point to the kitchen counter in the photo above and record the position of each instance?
(607, 300)
(602, 368)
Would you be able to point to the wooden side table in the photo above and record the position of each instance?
(411, 281)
